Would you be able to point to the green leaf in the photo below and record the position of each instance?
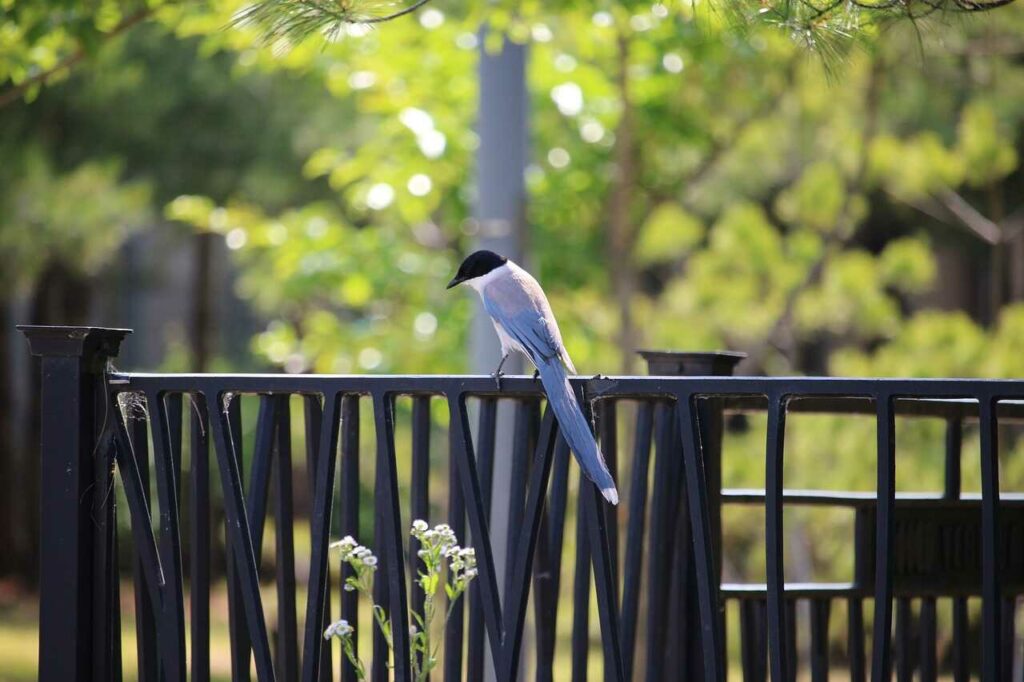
(669, 233)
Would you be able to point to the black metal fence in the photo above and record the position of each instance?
(653, 563)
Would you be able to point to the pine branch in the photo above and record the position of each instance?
(297, 20)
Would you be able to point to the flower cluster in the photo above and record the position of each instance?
(362, 561)
(462, 563)
(339, 628)
(439, 550)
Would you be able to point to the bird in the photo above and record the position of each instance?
(524, 322)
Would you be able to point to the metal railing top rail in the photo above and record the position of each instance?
(950, 398)
(940, 394)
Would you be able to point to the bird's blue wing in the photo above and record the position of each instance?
(523, 314)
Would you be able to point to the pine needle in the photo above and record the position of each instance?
(297, 20)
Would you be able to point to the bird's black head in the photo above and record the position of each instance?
(477, 264)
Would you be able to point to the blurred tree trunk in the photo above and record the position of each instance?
(620, 239)
(200, 327)
(60, 296)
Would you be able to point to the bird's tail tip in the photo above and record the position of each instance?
(611, 494)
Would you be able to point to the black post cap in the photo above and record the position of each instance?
(691, 363)
(85, 342)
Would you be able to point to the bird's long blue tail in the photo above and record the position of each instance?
(575, 428)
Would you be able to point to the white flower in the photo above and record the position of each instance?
(347, 541)
(471, 573)
(339, 628)
(370, 560)
(419, 526)
(347, 545)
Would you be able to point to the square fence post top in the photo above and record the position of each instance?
(691, 363)
(85, 342)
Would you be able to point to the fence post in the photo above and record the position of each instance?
(684, 646)
(73, 360)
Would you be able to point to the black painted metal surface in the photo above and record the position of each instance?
(651, 565)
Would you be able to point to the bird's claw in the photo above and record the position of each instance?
(497, 379)
(536, 374)
(598, 376)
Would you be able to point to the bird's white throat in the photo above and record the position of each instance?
(482, 281)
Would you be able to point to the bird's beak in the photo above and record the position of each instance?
(455, 281)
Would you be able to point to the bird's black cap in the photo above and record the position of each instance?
(477, 264)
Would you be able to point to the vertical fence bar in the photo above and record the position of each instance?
(1007, 636)
(991, 583)
(703, 545)
(239, 538)
(607, 606)
(904, 660)
(581, 594)
(313, 410)
(928, 630)
(524, 437)
(323, 478)
(284, 519)
(238, 634)
(660, 547)
(820, 610)
(73, 394)
(789, 638)
(521, 558)
(350, 496)
(135, 445)
(419, 493)
(381, 586)
(753, 634)
(635, 532)
(961, 641)
(106, 577)
(463, 458)
(262, 462)
(774, 544)
(486, 426)
(391, 520)
(171, 631)
(881, 658)
(199, 534)
(548, 574)
(453, 634)
(608, 437)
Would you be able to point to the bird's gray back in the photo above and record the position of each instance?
(518, 303)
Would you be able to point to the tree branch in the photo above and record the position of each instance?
(12, 94)
(970, 217)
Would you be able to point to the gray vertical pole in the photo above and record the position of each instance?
(501, 189)
(500, 217)
(73, 363)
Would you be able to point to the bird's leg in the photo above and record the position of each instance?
(536, 374)
(497, 372)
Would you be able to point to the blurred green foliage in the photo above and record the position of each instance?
(771, 205)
